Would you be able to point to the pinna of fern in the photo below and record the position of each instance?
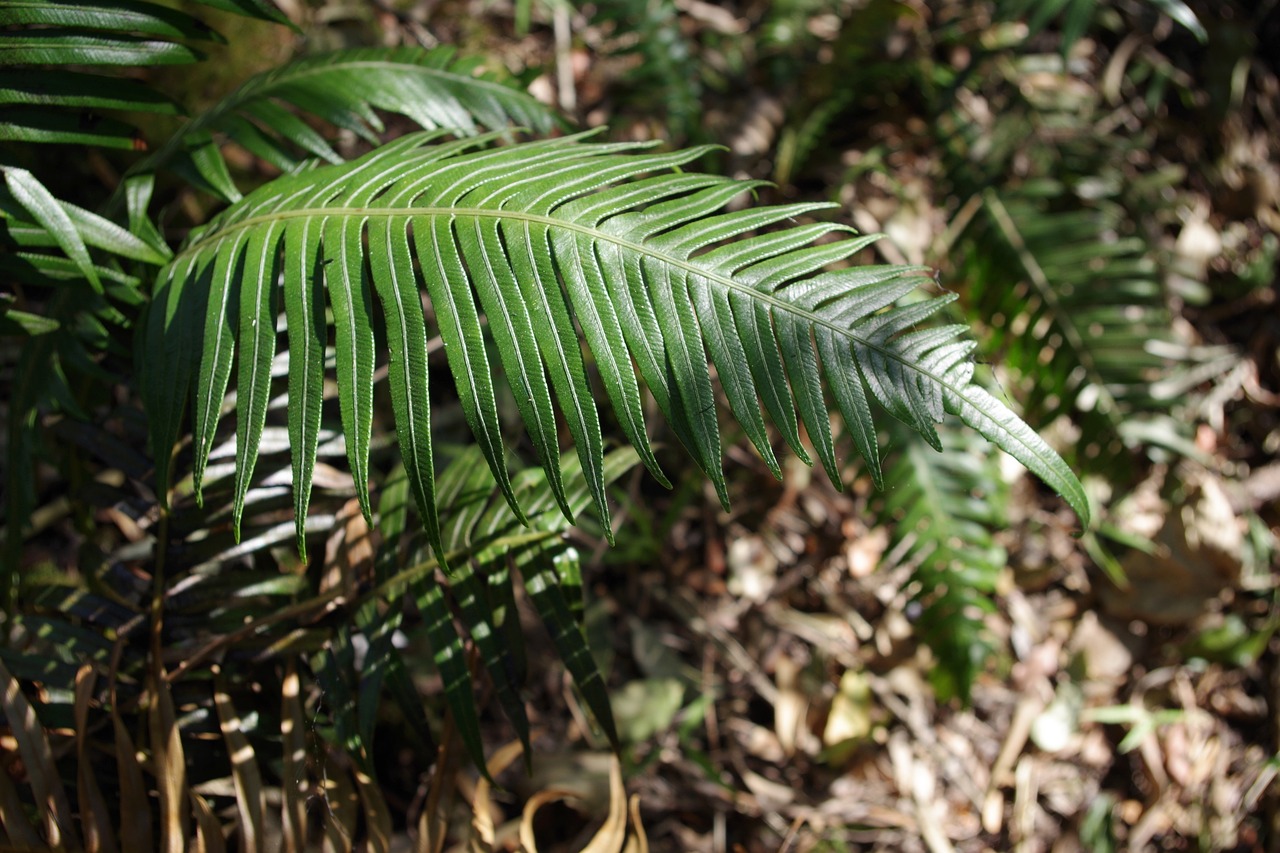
(544, 239)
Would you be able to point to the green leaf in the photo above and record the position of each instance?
(68, 47)
(44, 126)
(345, 88)
(50, 213)
(24, 323)
(138, 191)
(943, 511)
(642, 265)
(257, 337)
(263, 10)
(202, 165)
(1095, 299)
(398, 291)
(450, 658)
(304, 316)
(124, 16)
(1181, 13)
(67, 226)
(542, 571)
(352, 302)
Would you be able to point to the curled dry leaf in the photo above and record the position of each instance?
(612, 837)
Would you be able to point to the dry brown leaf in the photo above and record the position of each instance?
(377, 817)
(293, 743)
(99, 837)
(483, 833)
(135, 810)
(612, 836)
(341, 809)
(639, 840)
(37, 758)
(250, 799)
(170, 765)
(208, 828)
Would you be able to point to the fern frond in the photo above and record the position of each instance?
(55, 105)
(1077, 308)
(488, 541)
(544, 238)
(943, 509)
(434, 88)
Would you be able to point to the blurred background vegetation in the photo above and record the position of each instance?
(949, 663)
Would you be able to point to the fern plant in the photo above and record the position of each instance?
(50, 242)
(648, 267)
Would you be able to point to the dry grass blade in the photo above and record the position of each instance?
(342, 809)
(37, 757)
(135, 813)
(483, 833)
(170, 766)
(250, 801)
(99, 836)
(376, 815)
(433, 825)
(293, 741)
(208, 828)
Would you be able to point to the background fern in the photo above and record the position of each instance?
(944, 510)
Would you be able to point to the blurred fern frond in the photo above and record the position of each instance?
(943, 510)
(434, 88)
(1074, 305)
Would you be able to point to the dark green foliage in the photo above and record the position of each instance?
(945, 509)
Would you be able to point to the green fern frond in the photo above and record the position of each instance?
(491, 550)
(669, 80)
(1076, 16)
(1072, 305)
(943, 509)
(552, 237)
(57, 105)
(434, 88)
(489, 541)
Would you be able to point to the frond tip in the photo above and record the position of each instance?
(555, 243)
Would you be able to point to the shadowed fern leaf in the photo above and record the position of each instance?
(491, 548)
(550, 237)
(944, 508)
(59, 105)
(434, 88)
(1075, 307)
